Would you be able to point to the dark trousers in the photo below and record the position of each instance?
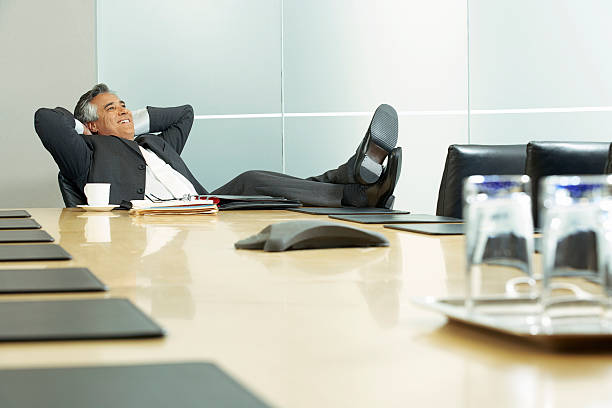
(324, 191)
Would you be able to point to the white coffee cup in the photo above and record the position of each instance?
(97, 194)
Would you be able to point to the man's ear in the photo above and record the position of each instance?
(93, 128)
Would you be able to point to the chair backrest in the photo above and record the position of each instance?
(467, 160)
(562, 158)
(70, 193)
(608, 169)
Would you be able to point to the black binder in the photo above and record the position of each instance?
(49, 280)
(80, 319)
(177, 385)
(257, 202)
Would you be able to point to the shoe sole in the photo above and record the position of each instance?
(398, 171)
(383, 129)
(383, 138)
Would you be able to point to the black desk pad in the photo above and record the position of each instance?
(80, 319)
(395, 218)
(346, 210)
(40, 252)
(430, 229)
(177, 385)
(49, 280)
(447, 229)
(36, 235)
(18, 223)
(14, 214)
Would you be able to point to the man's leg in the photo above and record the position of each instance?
(258, 182)
(316, 193)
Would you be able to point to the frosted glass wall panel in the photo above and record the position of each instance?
(525, 127)
(220, 149)
(317, 144)
(220, 56)
(352, 55)
(540, 54)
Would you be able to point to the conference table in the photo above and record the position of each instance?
(307, 328)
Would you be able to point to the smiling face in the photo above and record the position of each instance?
(113, 117)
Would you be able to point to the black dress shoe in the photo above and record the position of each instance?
(380, 194)
(378, 141)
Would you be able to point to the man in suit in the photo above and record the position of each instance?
(98, 144)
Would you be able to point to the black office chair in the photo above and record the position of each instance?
(608, 169)
(467, 160)
(70, 193)
(562, 158)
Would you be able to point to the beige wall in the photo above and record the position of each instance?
(48, 58)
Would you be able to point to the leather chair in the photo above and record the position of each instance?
(562, 158)
(608, 169)
(467, 160)
(70, 193)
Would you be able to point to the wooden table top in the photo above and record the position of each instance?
(310, 328)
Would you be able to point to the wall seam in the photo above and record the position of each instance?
(97, 42)
(282, 84)
(469, 101)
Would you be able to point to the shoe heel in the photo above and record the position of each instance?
(389, 203)
(370, 170)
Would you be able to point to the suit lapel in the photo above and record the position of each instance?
(153, 143)
(132, 145)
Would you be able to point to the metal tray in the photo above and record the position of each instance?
(519, 318)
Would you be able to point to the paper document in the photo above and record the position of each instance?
(193, 206)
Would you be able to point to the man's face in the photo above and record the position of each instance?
(113, 117)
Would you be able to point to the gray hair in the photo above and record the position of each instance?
(84, 110)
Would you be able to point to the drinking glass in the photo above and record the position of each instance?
(575, 253)
(499, 241)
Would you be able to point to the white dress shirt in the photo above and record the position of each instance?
(162, 181)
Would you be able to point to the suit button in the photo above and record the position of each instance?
(141, 167)
(140, 190)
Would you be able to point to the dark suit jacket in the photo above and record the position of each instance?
(109, 159)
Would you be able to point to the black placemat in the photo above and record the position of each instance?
(49, 280)
(178, 385)
(430, 229)
(80, 319)
(18, 223)
(395, 218)
(41, 252)
(14, 214)
(36, 235)
(346, 210)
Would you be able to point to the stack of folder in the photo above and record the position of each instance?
(170, 207)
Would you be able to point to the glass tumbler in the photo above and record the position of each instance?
(574, 253)
(499, 242)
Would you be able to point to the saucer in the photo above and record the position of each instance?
(97, 208)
